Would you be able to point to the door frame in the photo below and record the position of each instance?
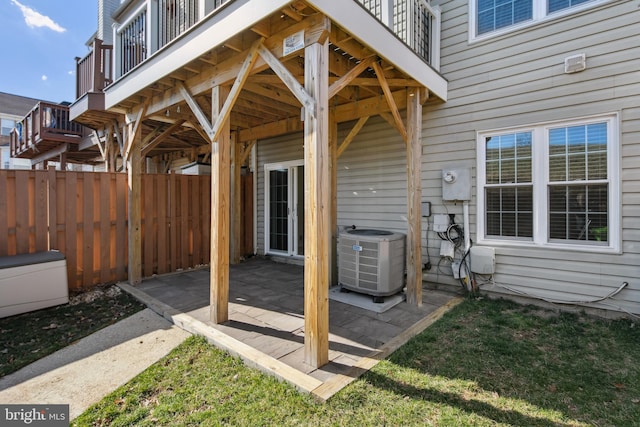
(293, 214)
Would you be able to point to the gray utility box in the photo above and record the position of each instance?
(30, 282)
(371, 261)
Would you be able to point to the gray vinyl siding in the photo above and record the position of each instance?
(512, 80)
(372, 183)
(372, 179)
(518, 79)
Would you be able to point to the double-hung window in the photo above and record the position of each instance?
(553, 184)
(489, 17)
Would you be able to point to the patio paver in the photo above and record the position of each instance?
(266, 322)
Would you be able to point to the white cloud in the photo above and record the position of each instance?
(35, 19)
(71, 72)
(44, 77)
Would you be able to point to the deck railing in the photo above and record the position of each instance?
(94, 72)
(45, 121)
(155, 23)
(415, 22)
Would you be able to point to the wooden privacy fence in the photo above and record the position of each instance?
(84, 216)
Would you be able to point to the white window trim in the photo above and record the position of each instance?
(539, 15)
(540, 178)
(267, 198)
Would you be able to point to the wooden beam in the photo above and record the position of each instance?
(134, 172)
(317, 227)
(220, 189)
(315, 28)
(368, 82)
(389, 97)
(352, 74)
(134, 128)
(101, 147)
(368, 107)
(244, 72)
(119, 136)
(352, 134)
(161, 137)
(271, 92)
(298, 91)
(344, 113)
(247, 150)
(414, 198)
(196, 110)
(48, 155)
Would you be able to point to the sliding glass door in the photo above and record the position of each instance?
(284, 208)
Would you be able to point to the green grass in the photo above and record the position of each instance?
(485, 363)
(28, 337)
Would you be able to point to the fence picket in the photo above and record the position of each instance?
(41, 211)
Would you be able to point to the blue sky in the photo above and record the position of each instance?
(40, 39)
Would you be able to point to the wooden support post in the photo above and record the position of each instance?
(236, 194)
(317, 206)
(220, 189)
(134, 171)
(414, 198)
(333, 168)
(63, 162)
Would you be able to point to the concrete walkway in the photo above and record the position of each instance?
(86, 371)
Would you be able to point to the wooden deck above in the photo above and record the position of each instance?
(46, 133)
(371, 67)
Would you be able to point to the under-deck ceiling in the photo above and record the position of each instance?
(265, 106)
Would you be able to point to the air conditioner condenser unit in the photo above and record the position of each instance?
(371, 261)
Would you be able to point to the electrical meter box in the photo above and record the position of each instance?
(456, 184)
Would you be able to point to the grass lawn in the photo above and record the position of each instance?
(30, 336)
(485, 363)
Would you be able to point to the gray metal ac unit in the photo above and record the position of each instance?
(371, 261)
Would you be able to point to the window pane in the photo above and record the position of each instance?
(597, 137)
(509, 212)
(557, 141)
(508, 158)
(577, 167)
(557, 168)
(576, 139)
(578, 153)
(555, 5)
(578, 212)
(508, 171)
(523, 170)
(493, 172)
(493, 224)
(495, 14)
(523, 144)
(493, 200)
(493, 148)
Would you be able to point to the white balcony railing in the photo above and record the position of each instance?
(155, 23)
